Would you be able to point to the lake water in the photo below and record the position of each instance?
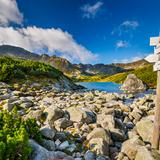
(103, 86)
(110, 87)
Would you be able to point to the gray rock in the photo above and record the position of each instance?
(62, 123)
(53, 114)
(89, 155)
(84, 115)
(48, 132)
(40, 153)
(145, 129)
(63, 145)
(132, 84)
(49, 145)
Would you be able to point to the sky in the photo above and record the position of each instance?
(83, 31)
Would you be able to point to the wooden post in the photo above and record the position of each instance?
(156, 129)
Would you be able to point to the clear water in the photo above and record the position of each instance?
(103, 86)
(110, 87)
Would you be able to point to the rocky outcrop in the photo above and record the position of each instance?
(132, 84)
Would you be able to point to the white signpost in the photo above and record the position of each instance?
(155, 41)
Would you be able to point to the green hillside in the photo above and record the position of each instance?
(11, 69)
(146, 74)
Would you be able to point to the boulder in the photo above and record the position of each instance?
(99, 146)
(40, 153)
(47, 132)
(84, 115)
(145, 129)
(131, 146)
(144, 154)
(132, 84)
(100, 133)
(49, 145)
(89, 155)
(52, 114)
(62, 123)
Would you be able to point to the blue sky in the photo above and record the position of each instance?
(104, 31)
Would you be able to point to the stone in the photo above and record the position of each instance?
(26, 105)
(100, 133)
(84, 115)
(99, 146)
(40, 153)
(131, 146)
(132, 84)
(49, 145)
(89, 155)
(53, 114)
(106, 121)
(63, 145)
(144, 154)
(37, 114)
(118, 135)
(145, 129)
(62, 123)
(47, 132)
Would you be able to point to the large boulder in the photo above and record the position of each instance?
(100, 133)
(52, 114)
(78, 114)
(131, 146)
(144, 154)
(145, 129)
(40, 153)
(132, 84)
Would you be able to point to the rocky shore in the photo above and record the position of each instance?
(84, 125)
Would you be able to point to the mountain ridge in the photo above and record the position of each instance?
(69, 69)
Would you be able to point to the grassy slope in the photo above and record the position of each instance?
(11, 69)
(146, 74)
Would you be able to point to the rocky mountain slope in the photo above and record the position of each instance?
(133, 65)
(21, 70)
(61, 64)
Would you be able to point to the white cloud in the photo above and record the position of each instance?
(9, 12)
(125, 27)
(128, 60)
(122, 44)
(130, 24)
(51, 40)
(90, 11)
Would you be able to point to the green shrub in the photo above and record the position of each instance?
(14, 135)
(11, 68)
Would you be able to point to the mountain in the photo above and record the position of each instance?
(62, 64)
(99, 69)
(69, 69)
(13, 51)
(133, 65)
